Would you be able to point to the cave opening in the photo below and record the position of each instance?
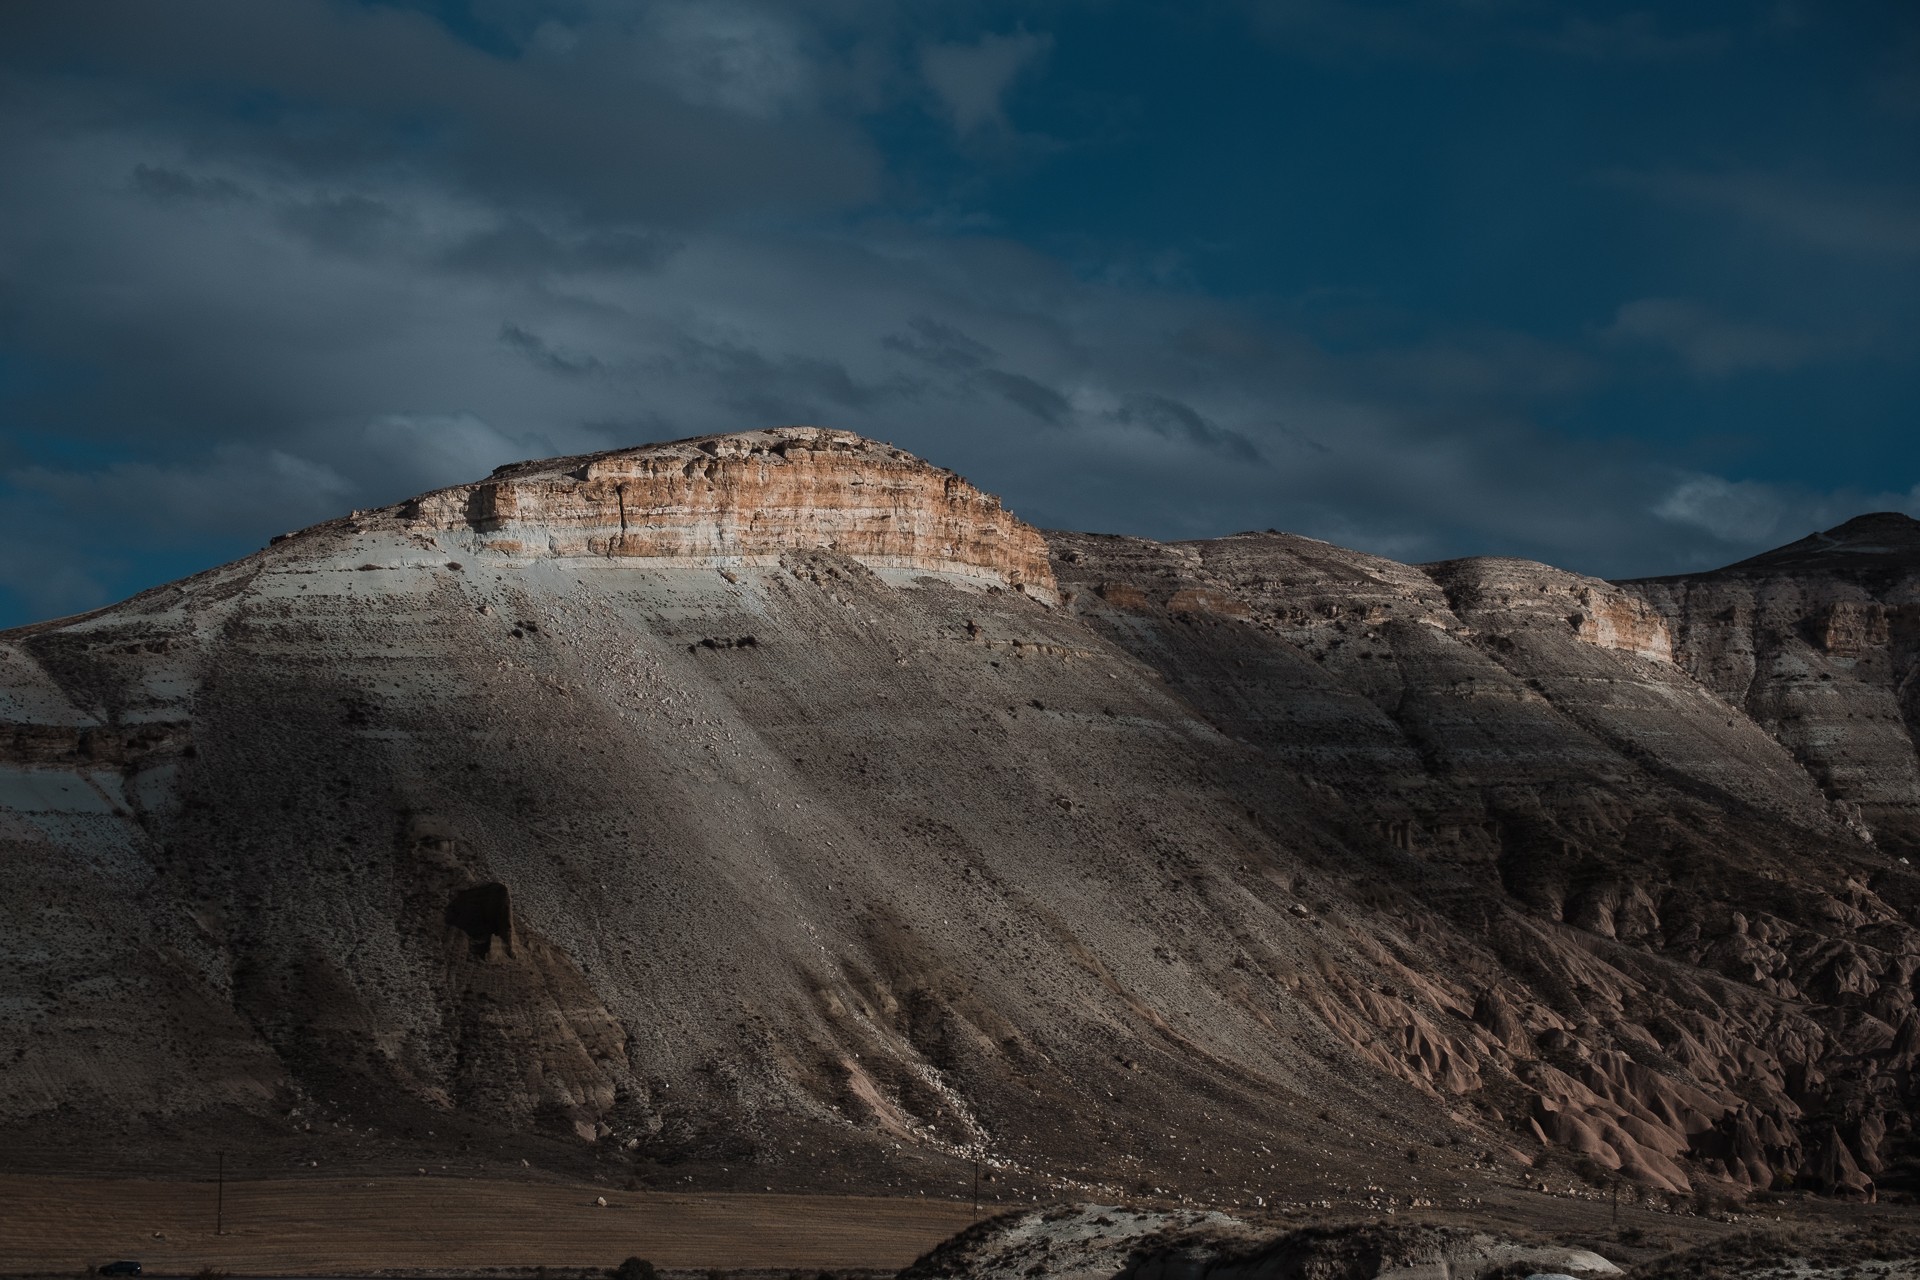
(483, 912)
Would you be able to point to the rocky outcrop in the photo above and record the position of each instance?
(1099, 1242)
(1819, 643)
(741, 498)
(1503, 594)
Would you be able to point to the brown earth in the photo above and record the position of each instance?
(437, 1224)
(316, 1226)
(763, 811)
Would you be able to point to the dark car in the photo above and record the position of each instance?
(121, 1268)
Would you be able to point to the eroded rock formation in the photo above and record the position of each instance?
(1819, 642)
(741, 498)
(723, 808)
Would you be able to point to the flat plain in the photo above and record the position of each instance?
(326, 1226)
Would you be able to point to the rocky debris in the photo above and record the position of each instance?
(1874, 1251)
(1098, 1242)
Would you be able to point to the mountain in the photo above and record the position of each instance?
(775, 809)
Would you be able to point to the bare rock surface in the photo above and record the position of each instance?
(1875, 1252)
(1819, 643)
(1480, 716)
(776, 810)
(1097, 1242)
(740, 499)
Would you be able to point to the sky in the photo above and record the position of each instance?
(1631, 289)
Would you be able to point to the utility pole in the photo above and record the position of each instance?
(976, 1188)
(220, 1198)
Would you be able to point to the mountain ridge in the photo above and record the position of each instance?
(820, 849)
(1892, 537)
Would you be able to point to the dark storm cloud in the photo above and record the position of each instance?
(351, 224)
(1174, 420)
(948, 349)
(235, 487)
(778, 386)
(534, 347)
(940, 345)
(265, 260)
(1017, 389)
(333, 88)
(517, 246)
(171, 184)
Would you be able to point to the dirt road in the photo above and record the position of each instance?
(341, 1227)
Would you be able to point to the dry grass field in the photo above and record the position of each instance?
(347, 1227)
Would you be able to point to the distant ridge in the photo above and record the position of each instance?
(1878, 543)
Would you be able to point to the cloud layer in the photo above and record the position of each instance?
(267, 260)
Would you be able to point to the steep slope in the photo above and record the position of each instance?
(776, 808)
(1672, 937)
(732, 857)
(1819, 642)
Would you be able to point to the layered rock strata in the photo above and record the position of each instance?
(715, 809)
(742, 498)
(1530, 730)
(1819, 643)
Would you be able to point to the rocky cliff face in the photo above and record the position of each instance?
(777, 810)
(1819, 642)
(1478, 716)
(746, 498)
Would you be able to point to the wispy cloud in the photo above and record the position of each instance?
(737, 57)
(1710, 344)
(235, 488)
(570, 364)
(1751, 515)
(971, 79)
(1731, 511)
(1454, 31)
(1820, 215)
(1634, 37)
(1168, 417)
(163, 183)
